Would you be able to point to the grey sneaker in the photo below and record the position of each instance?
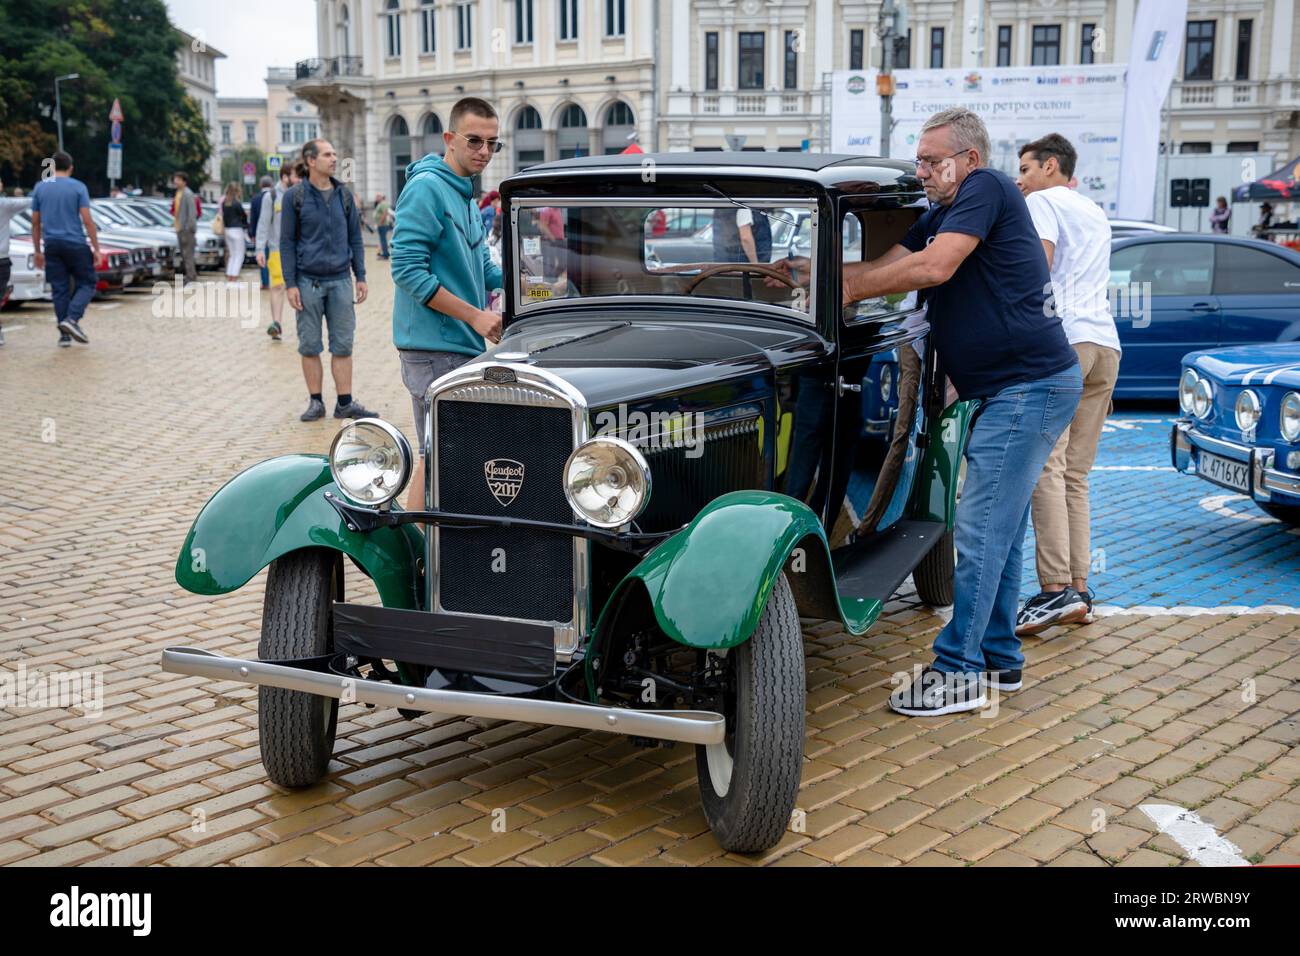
(65, 341)
(354, 409)
(314, 412)
(73, 327)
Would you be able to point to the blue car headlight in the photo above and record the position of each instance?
(1247, 410)
(1186, 385)
(1202, 398)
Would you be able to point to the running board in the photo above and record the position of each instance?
(877, 566)
(687, 726)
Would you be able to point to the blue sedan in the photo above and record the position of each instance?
(1241, 424)
(1204, 292)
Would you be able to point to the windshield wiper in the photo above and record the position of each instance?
(736, 202)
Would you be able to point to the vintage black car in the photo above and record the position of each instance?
(630, 501)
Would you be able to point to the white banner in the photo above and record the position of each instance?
(1019, 104)
(1157, 42)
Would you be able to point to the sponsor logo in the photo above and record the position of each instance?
(856, 84)
(1157, 44)
(1047, 80)
(859, 140)
(505, 477)
(971, 83)
(1094, 138)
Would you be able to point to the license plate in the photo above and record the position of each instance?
(1225, 471)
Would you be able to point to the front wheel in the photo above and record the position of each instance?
(934, 575)
(749, 783)
(296, 729)
(1288, 513)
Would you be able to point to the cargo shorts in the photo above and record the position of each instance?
(419, 370)
(331, 300)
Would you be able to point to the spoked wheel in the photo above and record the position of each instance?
(296, 729)
(750, 781)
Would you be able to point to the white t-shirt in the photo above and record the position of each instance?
(1080, 263)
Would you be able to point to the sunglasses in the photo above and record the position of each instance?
(476, 143)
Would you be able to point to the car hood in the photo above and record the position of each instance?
(1270, 363)
(652, 354)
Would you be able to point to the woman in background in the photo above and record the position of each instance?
(235, 231)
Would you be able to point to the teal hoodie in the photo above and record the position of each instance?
(439, 241)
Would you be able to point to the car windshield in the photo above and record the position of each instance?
(157, 213)
(701, 249)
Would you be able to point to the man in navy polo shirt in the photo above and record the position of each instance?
(977, 256)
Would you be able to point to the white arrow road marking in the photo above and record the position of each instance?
(1133, 468)
(1233, 610)
(1218, 504)
(1197, 838)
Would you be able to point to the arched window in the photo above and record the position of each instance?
(432, 133)
(399, 151)
(620, 124)
(573, 138)
(530, 146)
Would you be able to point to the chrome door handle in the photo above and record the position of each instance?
(846, 387)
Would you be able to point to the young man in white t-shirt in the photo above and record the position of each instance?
(1076, 239)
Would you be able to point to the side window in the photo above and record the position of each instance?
(867, 235)
(1242, 271)
(1172, 268)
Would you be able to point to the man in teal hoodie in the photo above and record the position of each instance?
(441, 266)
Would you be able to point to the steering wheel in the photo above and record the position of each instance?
(723, 268)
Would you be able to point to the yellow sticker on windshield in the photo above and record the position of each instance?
(539, 292)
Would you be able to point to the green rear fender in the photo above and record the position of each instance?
(708, 584)
(934, 496)
(279, 506)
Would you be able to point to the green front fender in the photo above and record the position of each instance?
(279, 506)
(709, 583)
(934, 496)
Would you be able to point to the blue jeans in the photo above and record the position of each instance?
(383, 239)
(1014, 432)
(331, 300)
(66, 262)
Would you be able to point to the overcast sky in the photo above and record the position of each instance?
(254, 34)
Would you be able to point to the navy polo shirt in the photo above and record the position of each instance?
(990, 325)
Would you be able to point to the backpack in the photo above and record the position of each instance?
(298, 199)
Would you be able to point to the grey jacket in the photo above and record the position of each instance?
(10, 207)
(268, 221)
(186, 219)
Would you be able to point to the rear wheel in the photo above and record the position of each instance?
(295, 729)
(1288, 513)
(749, 783)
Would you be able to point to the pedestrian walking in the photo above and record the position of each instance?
(488, 207)
(9, 207)
(1220, 215)
(266, 188)
(268, 244)
(61, 225)
(320, 251)
(1075, 235)
(234, 230)
(383, 220)
(185, 220)
(442, 269)
(982, 273)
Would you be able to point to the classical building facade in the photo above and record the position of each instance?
(583, 75)
(277, 124)
(197, 62)
(566, 76)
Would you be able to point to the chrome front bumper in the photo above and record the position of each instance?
(1186, 443)
(687, 726)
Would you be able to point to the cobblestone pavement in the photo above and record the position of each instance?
(111, 448)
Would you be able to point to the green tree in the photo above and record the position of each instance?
(232, 168)
(123, 49)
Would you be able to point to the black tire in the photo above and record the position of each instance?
(1288, 513)
(295, 729)
(933, 577)
(765, 733)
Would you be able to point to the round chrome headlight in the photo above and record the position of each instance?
(1247, 410)
(1202, 398)
(1290, 416)
(886, 383)
(607, 481)
(370, 461)
(1185, 386)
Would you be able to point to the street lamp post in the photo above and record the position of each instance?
(58, 106)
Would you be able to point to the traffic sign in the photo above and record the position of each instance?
(115, 114)
(250, 173)
(273, 162)
(116, 131)
(115, 161)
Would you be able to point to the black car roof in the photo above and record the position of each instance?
(827, 170)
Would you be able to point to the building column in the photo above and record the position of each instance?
(595, 137)
(550, 146)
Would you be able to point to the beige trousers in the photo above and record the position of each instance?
(1060, 502)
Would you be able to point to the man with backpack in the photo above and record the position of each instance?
(320, 250)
